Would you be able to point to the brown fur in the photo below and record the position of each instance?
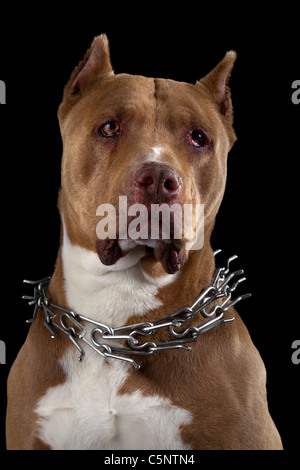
(222, 380)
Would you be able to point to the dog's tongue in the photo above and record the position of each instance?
(108, 251)
(172, 259)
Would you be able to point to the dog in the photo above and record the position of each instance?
(125, 305)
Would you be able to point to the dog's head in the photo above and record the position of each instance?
(140, 155)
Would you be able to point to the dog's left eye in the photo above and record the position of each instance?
(198, 138)
(109, 129)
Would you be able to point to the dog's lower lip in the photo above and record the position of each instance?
(172, 259)
(170, 256)
(108, 251)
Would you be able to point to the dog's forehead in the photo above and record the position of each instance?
(125, 94)
(126, 88)
(123, 90)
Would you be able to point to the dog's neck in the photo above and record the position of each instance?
(125, 292)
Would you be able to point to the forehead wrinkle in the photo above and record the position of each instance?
(155, 113)
(181, 105)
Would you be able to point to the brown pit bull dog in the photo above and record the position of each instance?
(162, 365)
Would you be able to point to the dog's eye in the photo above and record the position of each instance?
(109, 129)
(198, 138)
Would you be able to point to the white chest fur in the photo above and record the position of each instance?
(87, 411)
(109, 294)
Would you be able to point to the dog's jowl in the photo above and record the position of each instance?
(126, 303)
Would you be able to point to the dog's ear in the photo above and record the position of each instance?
(217, 84)
(96, 64)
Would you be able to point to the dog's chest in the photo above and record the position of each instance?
(89, 412)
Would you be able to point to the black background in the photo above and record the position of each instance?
(258, 216)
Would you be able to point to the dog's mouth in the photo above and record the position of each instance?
(158, 237)
(168, 252)
(171, 257)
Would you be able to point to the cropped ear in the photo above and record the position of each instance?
(96, 64)
(217, 84)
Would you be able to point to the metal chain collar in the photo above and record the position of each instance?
(101, 336)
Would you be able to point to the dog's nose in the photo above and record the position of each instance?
(157, 183)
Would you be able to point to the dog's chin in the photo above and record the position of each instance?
(168, 252)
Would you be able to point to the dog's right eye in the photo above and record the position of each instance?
(109, 129)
